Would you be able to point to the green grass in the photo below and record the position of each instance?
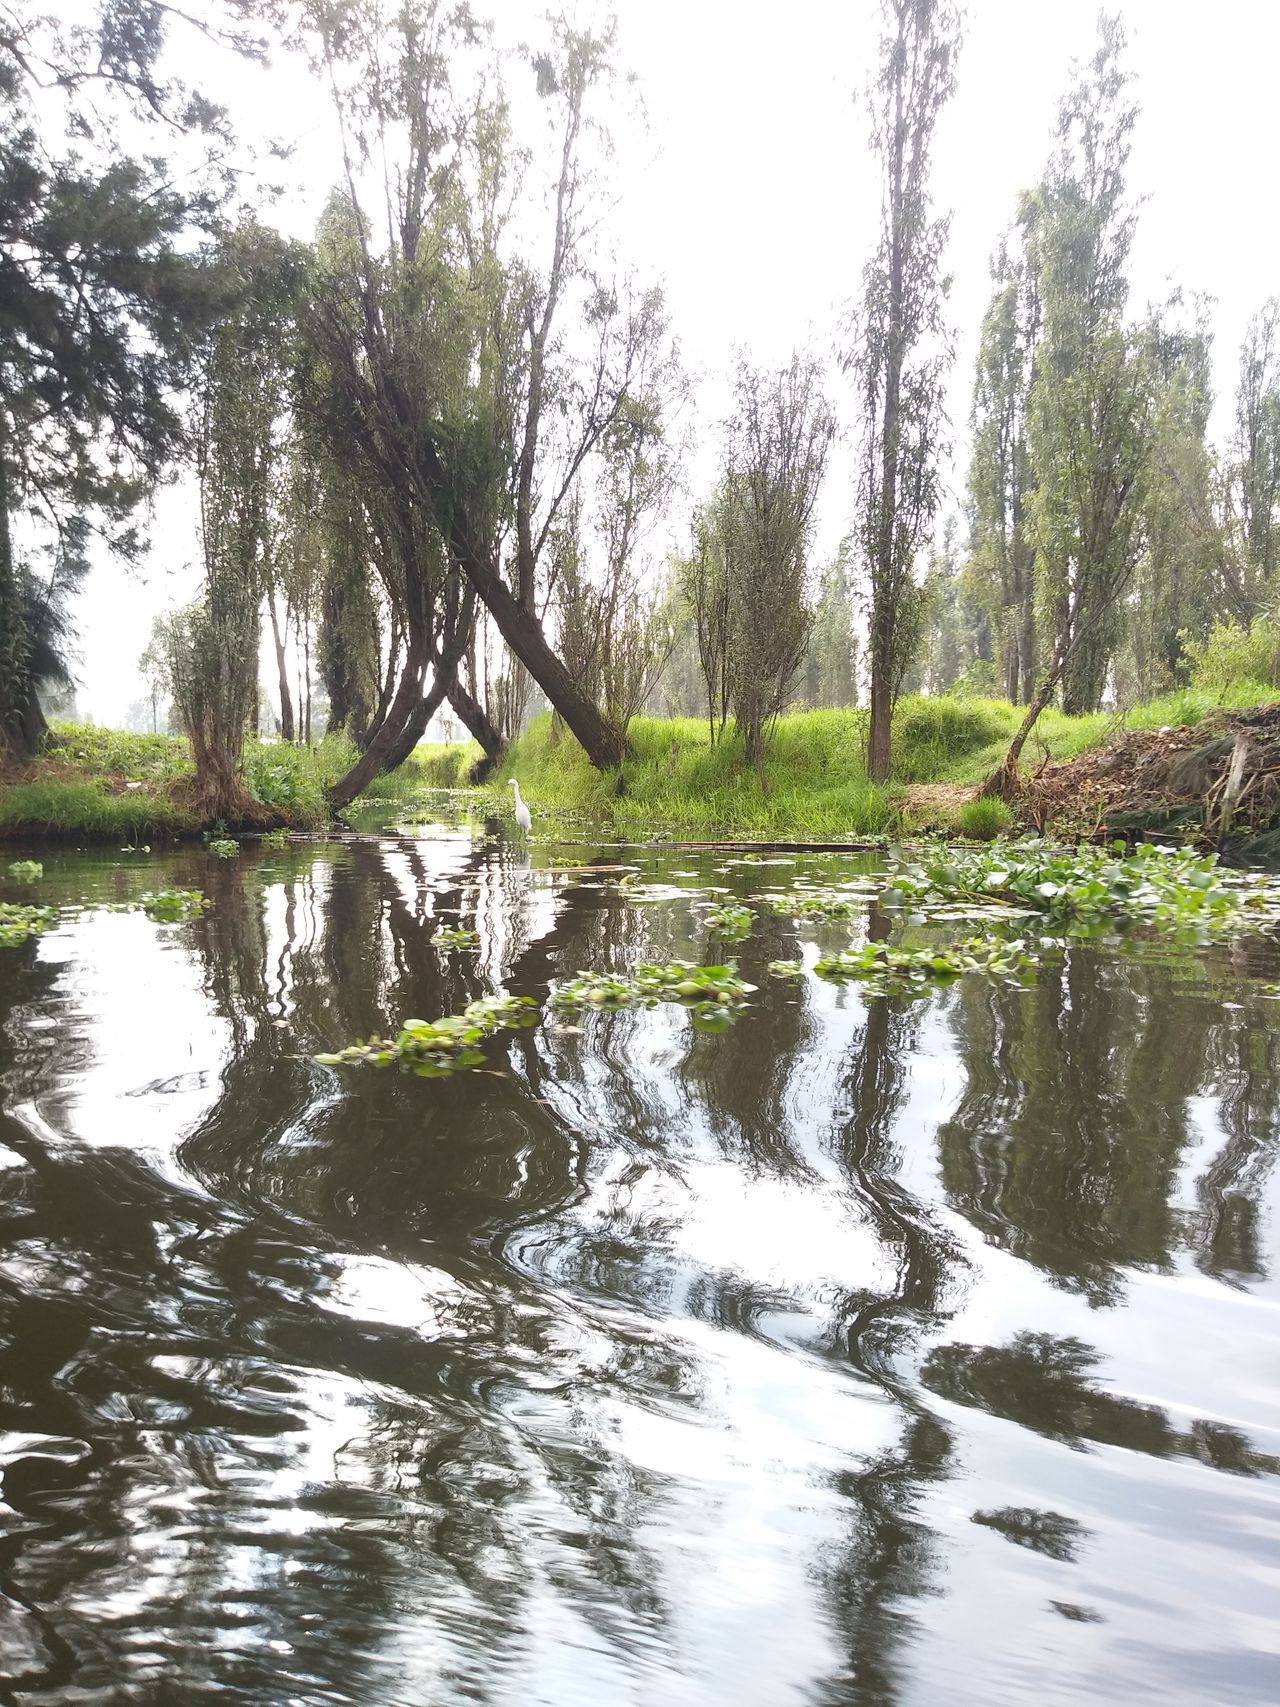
(983, 820)
(61, 806)
(819, 790)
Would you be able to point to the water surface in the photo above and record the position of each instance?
(870, 1352)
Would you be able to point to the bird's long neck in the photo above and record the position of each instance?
(515, 787)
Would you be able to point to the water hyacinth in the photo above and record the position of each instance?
(730, 922)
(18, 923)
(169, 906)
(1084, 890)
(913, 971)
(713, 994)
(26, 871)
(431, 1049)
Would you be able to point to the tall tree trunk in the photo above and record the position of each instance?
(603, 744)
(306, 669)
(880, 734)
(476, 719)
(443, 676)
(282, 668)
(374, 756)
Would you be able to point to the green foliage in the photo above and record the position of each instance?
(984, 819)
(1084, 891)
(818, 903)
(713, 994)
(431, 1049)
(274, 841)
(111, 752)
(729, 922)
(223, 847)
(18, 923)
(170, 906)
(87, 808)
(289, 778)
(26, 871)
(785, 969)
(459, 938)
(1231, 655)
(887, 970)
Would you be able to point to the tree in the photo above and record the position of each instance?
(751, 580)
(1250, 488)
(1090, 415)
(467, 384)
(1000, 477)
(211, 647)
(103, 289)
(902, 349)
(828, 679)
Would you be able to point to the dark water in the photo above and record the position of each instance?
(870, 1352)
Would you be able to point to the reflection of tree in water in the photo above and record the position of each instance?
(1066, 1145)
(1077, 1116)
(891, 1555)
(1046, 1384)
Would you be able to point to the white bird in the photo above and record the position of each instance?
(522, 811)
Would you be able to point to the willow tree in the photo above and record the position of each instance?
(902, 348)
(470, 376)
(751, 574)
(238, 433)
(1001, 483)
(1249, 565)
(1090, 430)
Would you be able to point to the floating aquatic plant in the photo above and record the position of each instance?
(18, 923)
(274, 840)
(223, 847)
(819, 903)
(1085, 889)
(431, 1049)
(169, 906)
(730, 922)
(786, 969)
(711, 993)
(449, 936)
(26, 871)
(912, 971)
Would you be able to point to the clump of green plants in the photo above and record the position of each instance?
(223, 847)
(459, 937)
(274, 840)
(786, 969)
(26, 871)
(713, 994)
(170, 906)
(1085, 890)
(729, 922)
(819, 903)
(984, 819)
(18, 923)
(431, 1049)
(887, 970)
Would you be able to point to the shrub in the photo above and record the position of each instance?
(1232, 654)
(287, 777)
(929, 734)
(983, 820)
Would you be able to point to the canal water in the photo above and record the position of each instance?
(871, 1351)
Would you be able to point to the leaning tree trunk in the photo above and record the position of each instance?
(444, 671)
(604, 745)
(374, 757)
(478, 725)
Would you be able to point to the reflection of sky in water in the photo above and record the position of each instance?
(643, 1366)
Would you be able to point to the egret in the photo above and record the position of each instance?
(522, 811)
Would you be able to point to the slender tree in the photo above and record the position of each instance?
(756, 601)
(903, 346)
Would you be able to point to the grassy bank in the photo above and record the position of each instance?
(818, 786)
(103, 785)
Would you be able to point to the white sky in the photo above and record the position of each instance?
(753, 199)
